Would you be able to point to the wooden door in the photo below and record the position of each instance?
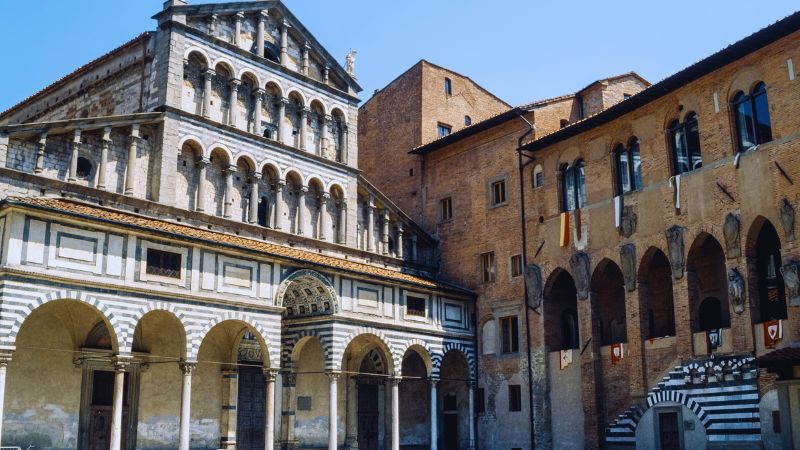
(367, 417)
(101, 410)
(668, 433)
(251, 409)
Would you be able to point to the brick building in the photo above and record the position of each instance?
(660, 263)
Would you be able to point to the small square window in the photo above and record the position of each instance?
(516, 265)
(510, 334)
(445, 209)
(514, 397)
(487, 267)
(444, 130)
(303, 403)
(163, 264)
(498, 193)
(448, 87)
(415, 306)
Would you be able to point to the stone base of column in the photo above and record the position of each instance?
(290, 445)
(351, 443)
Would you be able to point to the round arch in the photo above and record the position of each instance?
(422, 350)
(377, 340)
(307, 293)
(198, 51)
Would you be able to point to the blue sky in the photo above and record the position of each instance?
(521, 50)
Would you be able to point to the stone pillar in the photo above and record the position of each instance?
(395, 413)
(254, 177)
(306, 48)
(269, 427)
(260, 33)
(276, 224)
(635, 324)
(385, 232)
(40, 146)
(301, 200)
(325, 135)
(208, 75)
(104, 146)
(130, 173)
(186, 401)
(682, 311)
(351, 440)
(434, 416)
(370, 224)
(285, 44)
(414, 253)
(471, 415)
(230, 398)
(281, 119)
(5, 358)
(259, 96)
(333, 412)
(304, 128)
(200, 203)
(233, 111)
(237, 28)
(342, 229)
(324, 222)
(345, 147)
(399, 250)
(228, 205)
(326, 75)
(120, 364)
(589, 360)
(73, 161)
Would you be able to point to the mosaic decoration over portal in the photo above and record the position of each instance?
(306, 293)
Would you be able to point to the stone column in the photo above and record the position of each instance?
(73, 161)
(120, 364)
(325, 135)
(434, 416)
(40, 146)
(414, 254)
(285, 44)
(200, 203)
(186, 401)
(233, 111)
(385, 232)
(101, 171)
(370, 224)
(259, 96)
(208, 75)
(228, 205)
(324, 223)
(260, 33)
(230, 398)
(351, 439)
(304, 128)
(281, 119)
(333, 411)
(395, 413)
(269, 427)
(342, 230)
(683, 327)
(276, 224)
(399, 250)
(237, 28)
(289, 382)
(130, 174)
(326, 75)
(254, 177)
(345, 147)
(5, 358)
(301, 200)
(306, 48)
(471, 415)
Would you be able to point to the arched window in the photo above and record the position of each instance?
(684, 140)
(263, 211)
(710, 314)
(771, 294)
(467, 121)
(538, 176)
(751, 117)
(573, 187)
(569, 330)
(629, 167)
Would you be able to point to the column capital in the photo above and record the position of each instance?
(5, 357)
(239, 15)
(107, 134)
(209, 73)
(187, 367)
(325, 196)
(305, 111)
(433, 381)
(306, 46)
(76, 136)
(285, 24)
(255, 176)
(328, 118)
(289, 378)
(284, 101)
(262, 15)
(235, 83)
(280, 184)
(400, 227)
(231, 169)
(395, 380)
(135, 131)
(333, 376)
(121, 363)
(303, 190)
(259, 91)
(270, 374)
(203, 161)
(43, 138)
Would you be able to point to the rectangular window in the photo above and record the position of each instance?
(163, 264)
(487, 267)
(444, 130)
(480, 406)
(448, 87)
(510, 331)
(498, 192)
(445, 209)
(516, 265)
(514, 397)
(415, 306)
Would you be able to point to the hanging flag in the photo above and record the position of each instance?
(713, 339)
(617, 353)
(566, 358)
(773, 332)
(577, 224)
(564, 238)
(618, 211)
(675, 183)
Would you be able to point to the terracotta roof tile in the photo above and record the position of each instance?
(71, 207)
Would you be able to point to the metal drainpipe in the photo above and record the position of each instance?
(530, 130)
